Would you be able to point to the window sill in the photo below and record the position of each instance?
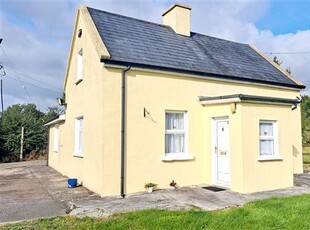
(78, 155)
(78, 81)
(270, 158)
(177, 157)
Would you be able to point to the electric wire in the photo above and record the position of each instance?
(20, 81)
(27, 83)
(2, 74)
(297, 52)
(41, 82)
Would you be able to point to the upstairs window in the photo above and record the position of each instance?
(79, 66)
(176, 132)
(268, 139)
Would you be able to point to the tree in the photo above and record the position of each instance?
(32, 119)
(305, 118)
(276, 60)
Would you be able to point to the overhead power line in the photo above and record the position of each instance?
(41, 82)
(20, 81)
(297, 52)
(28, 83)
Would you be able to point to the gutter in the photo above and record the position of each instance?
(123, 125)
(248, 98)
(195, 74)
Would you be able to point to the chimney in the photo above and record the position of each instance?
(178, 18)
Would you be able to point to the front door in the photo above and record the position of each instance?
(222, 152)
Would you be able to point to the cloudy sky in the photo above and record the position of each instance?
(37, 34)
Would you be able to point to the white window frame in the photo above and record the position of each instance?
(79, 66)
(177, 156)
(56, 139)
(78, 137)
(274, 137)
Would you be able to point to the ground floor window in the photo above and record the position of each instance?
(56, 138)
(78, 140)
(268, 138)
(176, 132)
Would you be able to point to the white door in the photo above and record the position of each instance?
(222, 152)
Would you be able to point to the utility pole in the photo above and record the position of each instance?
(21, 145)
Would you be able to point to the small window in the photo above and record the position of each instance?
(78, 142)
(79, 66)
(56, 138)
(268, 139)
(176, 132)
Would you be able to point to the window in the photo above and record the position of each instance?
(79, 66)
(175, 132)
(268, 139)
(56, 138)
(78, 142)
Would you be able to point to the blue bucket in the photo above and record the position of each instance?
(72, 182)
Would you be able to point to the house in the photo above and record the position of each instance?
(147, 102)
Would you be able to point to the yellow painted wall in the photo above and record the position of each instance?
(98, 99)
(145, 136)
(267, 175)
(83, 99)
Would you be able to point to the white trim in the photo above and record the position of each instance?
(220, 101)
(214, 121)
(79, 66)
(57, 120)
(177, 157)
(200, 77)
(184, 131)
(270, 158)
(56, 139)
(236, 100)
(274, 137)
(78, 138)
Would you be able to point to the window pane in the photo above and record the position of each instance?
(81, 141)
(175, 143)
(175, 121)
(179, 121)
(266, 147)
(169, 121)
(266, 129)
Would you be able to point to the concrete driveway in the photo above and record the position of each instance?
(31, 190)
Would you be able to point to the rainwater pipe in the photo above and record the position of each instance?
(123, 125)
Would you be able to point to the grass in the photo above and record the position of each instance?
(274, 213)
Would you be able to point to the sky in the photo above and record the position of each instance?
(37, 36)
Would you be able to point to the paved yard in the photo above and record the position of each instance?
(31, 190)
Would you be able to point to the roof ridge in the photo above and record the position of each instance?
(222, 39)
(162, 25)
(124, 16)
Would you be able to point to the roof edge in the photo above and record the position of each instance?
(288, 75)
(210, 76)
(249, 98)
(56, 120)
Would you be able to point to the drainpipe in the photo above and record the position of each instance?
(123, 125)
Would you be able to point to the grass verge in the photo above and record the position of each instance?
(274, 213)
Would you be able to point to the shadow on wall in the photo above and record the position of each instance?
(295, 151)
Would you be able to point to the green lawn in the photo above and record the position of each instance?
(275, 213)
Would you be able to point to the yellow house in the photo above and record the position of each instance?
(147, 102)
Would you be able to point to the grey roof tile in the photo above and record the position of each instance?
(140, 42)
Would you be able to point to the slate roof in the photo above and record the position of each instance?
(145, 44)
